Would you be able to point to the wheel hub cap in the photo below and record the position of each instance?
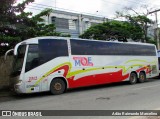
(57, 86)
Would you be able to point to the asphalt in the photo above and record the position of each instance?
(117, 96)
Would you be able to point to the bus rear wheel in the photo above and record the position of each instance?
(57, 86)
(133, 78)
(142, 77)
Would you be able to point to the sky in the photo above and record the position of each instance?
(101, 8)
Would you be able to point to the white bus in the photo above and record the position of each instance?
(56, 64)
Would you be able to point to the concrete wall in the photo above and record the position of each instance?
(5, 69)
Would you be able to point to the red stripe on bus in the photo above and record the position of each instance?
(97, 79)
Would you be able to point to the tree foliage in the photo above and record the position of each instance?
(114, 30)
(138, 19)
(134, 27)
(17, 25)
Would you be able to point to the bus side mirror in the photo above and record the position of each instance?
(6, 54)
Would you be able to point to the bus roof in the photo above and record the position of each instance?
(35, 40)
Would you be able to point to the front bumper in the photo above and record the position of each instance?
(16, 85)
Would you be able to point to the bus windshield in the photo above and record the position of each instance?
(18, 60)
(32, 57)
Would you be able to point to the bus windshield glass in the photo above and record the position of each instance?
(32, 57)
(18, 60)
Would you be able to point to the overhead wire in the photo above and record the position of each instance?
(38, 5)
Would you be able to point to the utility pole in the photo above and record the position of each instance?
(157, 30)
(55, 4)
(80, 18)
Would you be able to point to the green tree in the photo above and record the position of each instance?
(34, 26)
(137, 18)
(114, 30)
(17, 25)
(11, 24)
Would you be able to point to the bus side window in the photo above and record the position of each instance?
(52, 48)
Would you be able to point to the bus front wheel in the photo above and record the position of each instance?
(57, 86)
(133, 78)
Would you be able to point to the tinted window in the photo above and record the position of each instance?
(159, 62)
(82, 47)
(52, 48)
(18, 61)
(32, 57)
(158, 53)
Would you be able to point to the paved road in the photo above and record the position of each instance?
(119, 96)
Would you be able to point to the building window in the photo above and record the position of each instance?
(60, 22)
(87, 24)
(53, 20)
(72, 24)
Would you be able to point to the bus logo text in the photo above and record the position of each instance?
(83, 61)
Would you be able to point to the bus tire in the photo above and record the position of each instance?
(57, 86)
(133, 78)
(142, 77)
